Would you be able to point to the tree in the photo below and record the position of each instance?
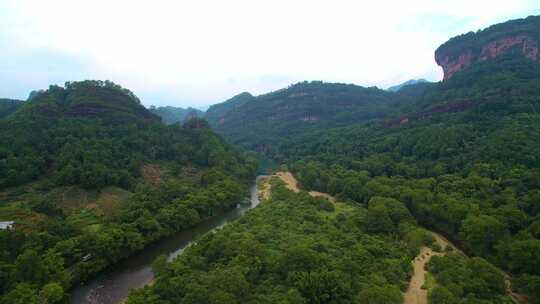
(22, 294)
(51, 293)
(522, 256)
(441, 295)
(380, 295)
(378, 220)
(29, 268)
(159, 266)
(481, 233)
(322, 286)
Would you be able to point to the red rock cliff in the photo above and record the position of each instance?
(453, 63)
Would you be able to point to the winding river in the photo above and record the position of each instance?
(114, 284)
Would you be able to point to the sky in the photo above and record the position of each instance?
(201, 52)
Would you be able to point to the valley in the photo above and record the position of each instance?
(114, 285)
(417, 290)
(323, 193)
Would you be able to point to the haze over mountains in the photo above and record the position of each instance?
(90, 177)
(462, 156)
(406, 83)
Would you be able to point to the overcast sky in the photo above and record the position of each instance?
(200, 52)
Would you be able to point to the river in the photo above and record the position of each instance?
(114, 284)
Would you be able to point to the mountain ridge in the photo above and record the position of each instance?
(519, 36)
(409, 82)
(171, 115)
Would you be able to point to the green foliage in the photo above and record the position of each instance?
(87, 137)
(287, 250)
(380, 295)
(8, 106)
(481, 233)
(23, 293)
(464, 163)
(52, 293)
(441, 295)
(260, 122)
(474, 42)
(172, 115)
(528, 284)
(460, 277)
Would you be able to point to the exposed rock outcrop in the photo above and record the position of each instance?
(527, 45)
(520, 37)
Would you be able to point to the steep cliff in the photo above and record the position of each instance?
(519, 37)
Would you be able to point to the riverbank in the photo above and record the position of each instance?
(291, 183)
(113, 285)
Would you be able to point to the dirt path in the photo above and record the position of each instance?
(291, 183)
(517, 297)
(289, 180)
(415, 294)
(325, 195)
(263, 189)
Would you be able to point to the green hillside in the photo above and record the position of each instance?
(293, 249)
(216, 113)
(8, 106)
(464, 158)
(260, 122)
(90, 176)
(171, 115)
(475, 41)
(461, 157)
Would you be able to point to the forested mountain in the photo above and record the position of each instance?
(90, 176)
(171, 115)
(8, 106)
(216, 113)
(406, 83)
(294, 249)
(260, 122)
(518, 37)
(461, 157)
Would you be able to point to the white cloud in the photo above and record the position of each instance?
(192, 49)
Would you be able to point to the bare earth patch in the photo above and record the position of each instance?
(325, 195)
(415, 294)
(153, 173)
(289, 180)
(264, 188)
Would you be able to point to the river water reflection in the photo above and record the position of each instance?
(114, 284)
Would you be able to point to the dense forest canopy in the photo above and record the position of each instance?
(90, 177)
(8, 106)
(216, 112)
(171, 115)
(465, 161)
(461, 156)
(474, 41)
(296, 248)
(260, 122)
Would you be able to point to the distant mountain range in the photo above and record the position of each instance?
(171, 115)
(90, 176)
(8, 106)
(406, 83)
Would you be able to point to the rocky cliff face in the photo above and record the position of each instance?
(525, 44)
(520, 37)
